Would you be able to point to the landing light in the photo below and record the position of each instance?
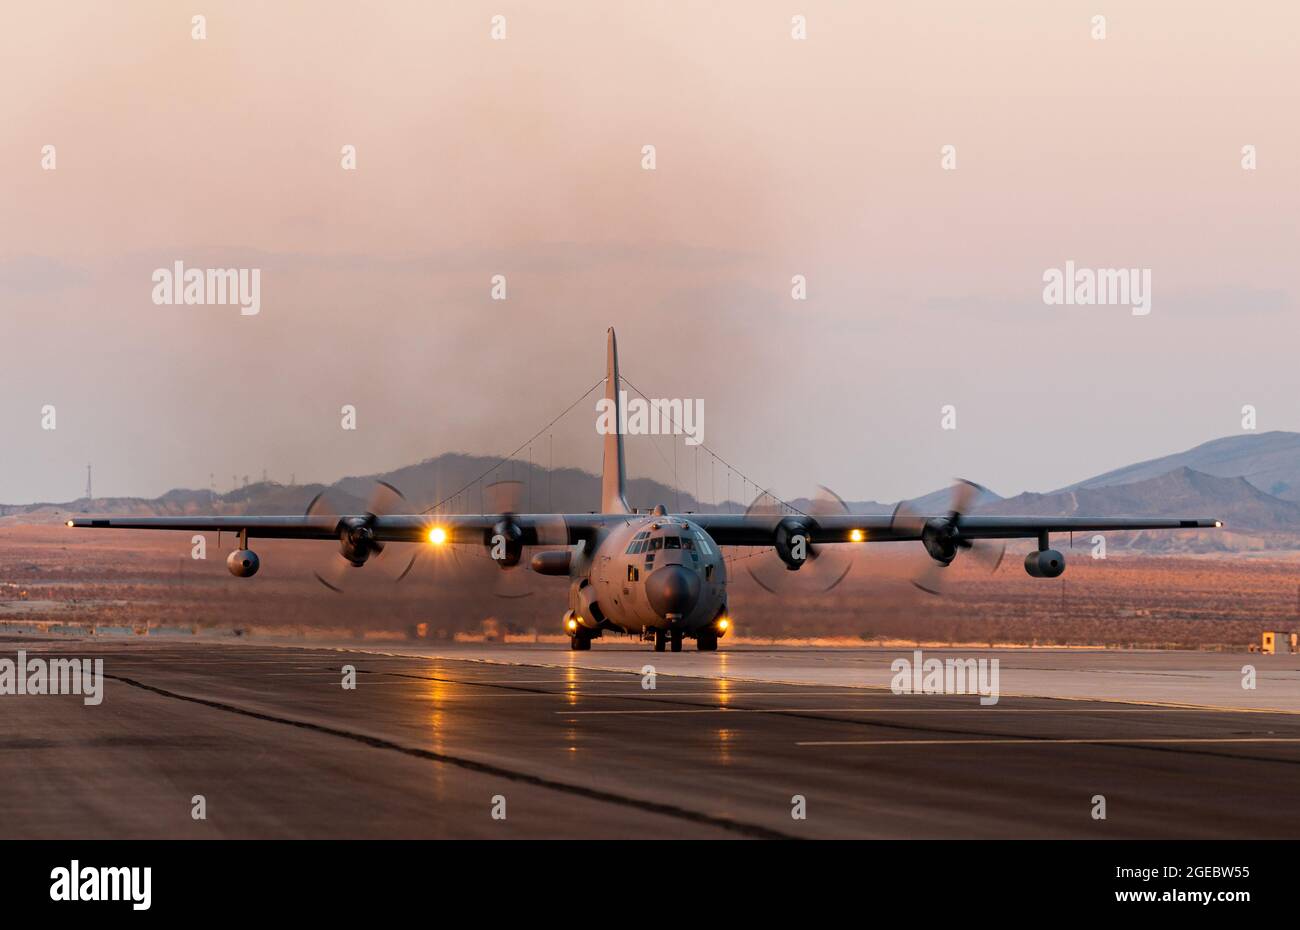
(1216, 523)
(855, 535)
(571, 625)
(437, 536)
(723, 624)
(69, 523)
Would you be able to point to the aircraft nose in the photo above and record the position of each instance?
(672, 589)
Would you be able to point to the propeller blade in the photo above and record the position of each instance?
(965, 495)
(507, 498)
(930, 577)
(824, 567)
(987, 553)
(383, 499)
(906, 520)
(334, 574)
(945, 534)
(409, 565)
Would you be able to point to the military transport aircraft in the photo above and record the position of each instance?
(655, 574)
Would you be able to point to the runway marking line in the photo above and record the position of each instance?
(879, 710)
(1030, 741)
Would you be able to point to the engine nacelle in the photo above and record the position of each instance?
(1045, 563)
(552, 563)
(504, 543)
(792, 544)
(357, 542)
(940, 542)
(243, 563)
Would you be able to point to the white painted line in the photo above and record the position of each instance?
(885, 710)
(1115, 741)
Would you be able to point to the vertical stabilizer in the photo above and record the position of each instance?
(613, 479)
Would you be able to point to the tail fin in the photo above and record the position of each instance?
(613, 477)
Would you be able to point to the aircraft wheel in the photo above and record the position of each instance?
(677, 640)
(706, 643)
(579, 643)
(661, 640)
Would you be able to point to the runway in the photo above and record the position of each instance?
(433, 740)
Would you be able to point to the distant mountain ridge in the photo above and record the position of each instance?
(1181, 492)
(1269, 461)
(1251, 482)
(450, 479)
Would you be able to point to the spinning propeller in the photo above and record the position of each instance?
(505, 541)
(943, 539)
(357, 542)
(795, 561)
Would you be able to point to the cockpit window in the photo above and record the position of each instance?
(656, 544)
(672, 542)
(688, 543)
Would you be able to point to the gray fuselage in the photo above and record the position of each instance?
(655, 571)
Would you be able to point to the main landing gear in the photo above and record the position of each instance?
(668, 635)
(705, 641)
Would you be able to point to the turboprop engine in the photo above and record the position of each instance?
(504, 543)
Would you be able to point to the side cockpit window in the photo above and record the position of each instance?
(672, 542)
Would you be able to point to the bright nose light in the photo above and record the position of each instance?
(724, 623)
(572, 624)
(437, 536)
(855, 535)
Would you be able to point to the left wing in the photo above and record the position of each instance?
(760, 529)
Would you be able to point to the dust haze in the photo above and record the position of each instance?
(523, 158)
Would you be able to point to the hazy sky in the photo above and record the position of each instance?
(523, 157)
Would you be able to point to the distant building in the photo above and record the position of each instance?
(1279, 643)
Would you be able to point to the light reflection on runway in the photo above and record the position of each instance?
(423, 744)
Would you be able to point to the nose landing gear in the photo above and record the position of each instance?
(579, 636)
(580, 641)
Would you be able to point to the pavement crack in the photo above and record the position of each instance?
(485, 768)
